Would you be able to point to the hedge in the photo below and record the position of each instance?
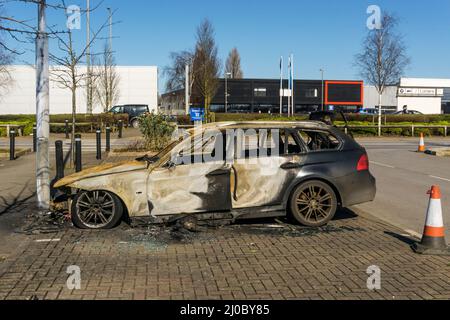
(369, 119)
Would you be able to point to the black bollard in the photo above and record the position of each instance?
(78, 166)
(120, 128)
(59, 154)
(99, 144)
(34, 138)
(12, 144)
(108, 138)
(67, 128)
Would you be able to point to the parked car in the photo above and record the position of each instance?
(306, 170)
(368, 111)
(374, 111)
(408, 112)
(133, 111)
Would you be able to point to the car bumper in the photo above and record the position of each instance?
(357, 188)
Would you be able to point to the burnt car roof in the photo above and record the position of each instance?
(265, 124)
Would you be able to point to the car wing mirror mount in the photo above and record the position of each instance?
(171, 165)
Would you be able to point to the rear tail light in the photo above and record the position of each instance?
(363, 163)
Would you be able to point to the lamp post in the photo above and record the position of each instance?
(226, 90)
(321, 70)
(110, 30)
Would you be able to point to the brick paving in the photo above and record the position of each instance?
(243, 261)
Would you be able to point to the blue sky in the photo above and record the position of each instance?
(325, 33)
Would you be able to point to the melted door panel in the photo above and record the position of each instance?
(192, 188)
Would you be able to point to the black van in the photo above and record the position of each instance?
(133, 111)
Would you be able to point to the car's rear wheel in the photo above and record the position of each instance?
(313, 203)
(96, 210)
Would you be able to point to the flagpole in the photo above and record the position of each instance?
(292, 85)
(281, 85)
(289, 87)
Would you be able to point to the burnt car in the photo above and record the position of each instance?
(306, 170)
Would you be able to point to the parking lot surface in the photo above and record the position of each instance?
(403, 178)
(244, 261)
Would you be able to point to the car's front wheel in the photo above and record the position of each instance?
(313, 203)
(96, 210)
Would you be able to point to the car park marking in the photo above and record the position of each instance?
(48, 240)
(382, 164)
(440, 178)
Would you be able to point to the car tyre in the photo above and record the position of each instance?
(313, 203)
(97, 209)
(135, 123)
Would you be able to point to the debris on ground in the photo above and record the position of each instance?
(43, 223)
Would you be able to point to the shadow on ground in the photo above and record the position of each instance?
(19, 202)
(409, 241)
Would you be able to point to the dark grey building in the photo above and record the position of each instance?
(263, 95)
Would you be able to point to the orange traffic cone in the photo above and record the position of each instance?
(421, 143)
(433, 239)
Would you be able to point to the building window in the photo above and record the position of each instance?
(260, 92)
(311, 93)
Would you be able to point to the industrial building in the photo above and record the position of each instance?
(137, 85)
(428, 96)
(263, 95)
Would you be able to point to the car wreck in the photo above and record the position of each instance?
(232, 170)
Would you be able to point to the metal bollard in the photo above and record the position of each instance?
(67, 128)
(59, 154)
(12, 144)
(120, 128)
(99, 144)
(34, 138)
(78, 166)
(108, 138)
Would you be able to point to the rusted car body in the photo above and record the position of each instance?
(241, 170)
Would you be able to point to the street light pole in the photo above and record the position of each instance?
(88, 58)
(321, 70)
(186, 90)
(42, 112)
(110, 30)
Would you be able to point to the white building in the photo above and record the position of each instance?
(137, 85)
(424, 95)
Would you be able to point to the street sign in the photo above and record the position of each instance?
(197, 114)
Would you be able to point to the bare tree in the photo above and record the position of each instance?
(6, 58)
(175, 72)
(233, 64)
(383, 58)
(67, 74)
(5, 76)
(206, 64)
(106, 81)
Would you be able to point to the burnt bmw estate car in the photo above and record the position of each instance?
(233, 170)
